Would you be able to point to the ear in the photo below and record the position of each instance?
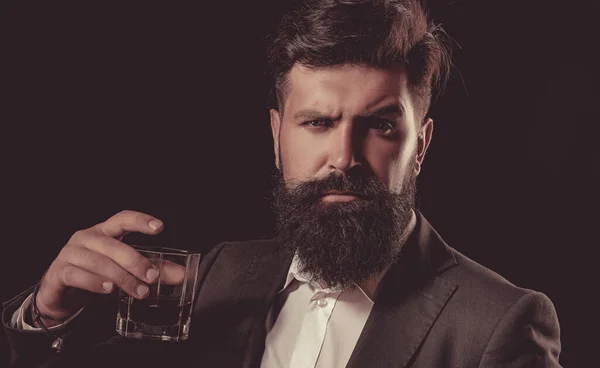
(275, 126)
(424, 138)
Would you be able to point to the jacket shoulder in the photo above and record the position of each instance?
(486, 295)
(476, 279)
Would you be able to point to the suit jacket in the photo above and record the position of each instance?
(435, 308)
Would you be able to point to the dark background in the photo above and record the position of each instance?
(162, 108)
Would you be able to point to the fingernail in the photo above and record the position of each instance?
(151, 274)
(141, 290)
(154, 224)
(107, 286)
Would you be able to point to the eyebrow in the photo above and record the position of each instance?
(391, 109)
(312, 114)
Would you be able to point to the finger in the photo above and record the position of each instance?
(171, 273)
(107, 269)
(128, 221)
(122, 254)
(76, 277)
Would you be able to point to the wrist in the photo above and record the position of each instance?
(38, 315)
(48, 321)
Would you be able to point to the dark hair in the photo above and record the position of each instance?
(378, 33)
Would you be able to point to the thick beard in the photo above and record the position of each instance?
(343, 243)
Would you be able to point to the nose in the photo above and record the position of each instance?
(344, 149)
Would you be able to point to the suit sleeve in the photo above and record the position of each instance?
(528, 335)
(93, 327)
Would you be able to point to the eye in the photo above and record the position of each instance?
(317, 123)
(382, 126)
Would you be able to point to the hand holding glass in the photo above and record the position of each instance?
(165, 314)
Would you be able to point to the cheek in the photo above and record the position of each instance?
(299, 155)
(391, 163)
(400, 170)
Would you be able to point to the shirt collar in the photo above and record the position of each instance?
(368, 289)
(292, 273)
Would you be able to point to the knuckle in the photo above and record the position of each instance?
(67, 275)
(126, 280)
(99, 227)
(76, 236)
(139, 218)
(125, 213)
(137, 262)
(65, 252)
(106, 242)
(80, 237)
(92, 262)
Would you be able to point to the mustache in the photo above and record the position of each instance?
(367, 186)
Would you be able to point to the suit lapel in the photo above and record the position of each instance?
(265, 277)
(411, 298)
(231, 308)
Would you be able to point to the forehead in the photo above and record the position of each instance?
(348, 87)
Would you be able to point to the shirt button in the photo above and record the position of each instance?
(322, 303)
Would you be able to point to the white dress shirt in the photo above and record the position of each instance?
(315, 327)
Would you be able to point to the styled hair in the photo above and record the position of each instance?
(379, 33)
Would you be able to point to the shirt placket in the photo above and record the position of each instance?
(312, 334)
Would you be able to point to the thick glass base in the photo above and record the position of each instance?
(142, 331)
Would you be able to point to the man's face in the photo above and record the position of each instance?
(349, 150)
(340, 117)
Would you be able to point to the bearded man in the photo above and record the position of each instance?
(356, 276)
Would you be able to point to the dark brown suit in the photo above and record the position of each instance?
(436, 308)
